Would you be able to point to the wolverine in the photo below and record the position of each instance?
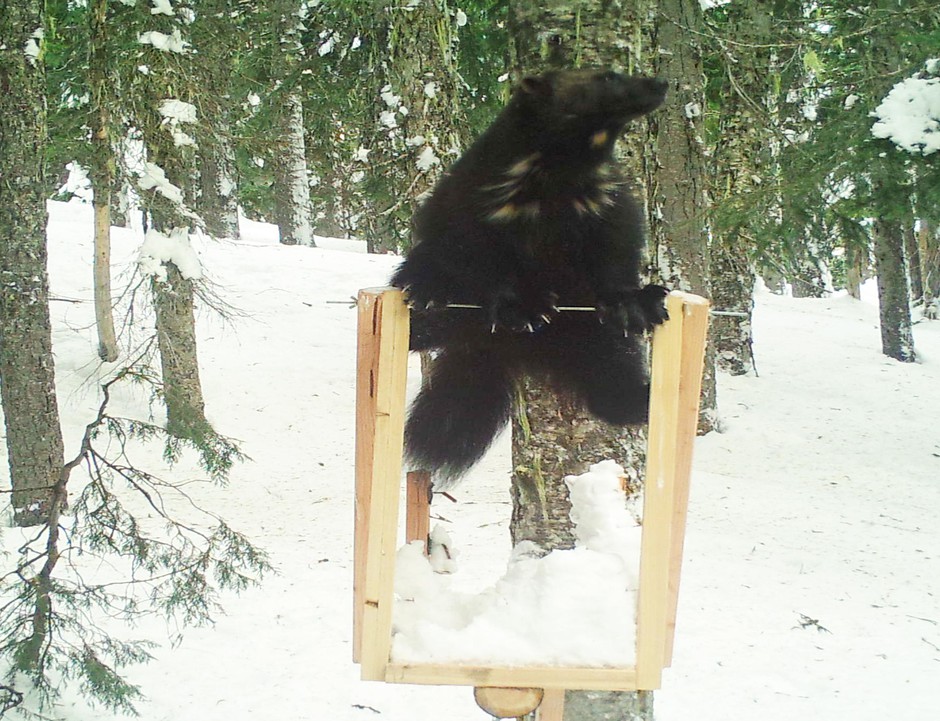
(534, 218)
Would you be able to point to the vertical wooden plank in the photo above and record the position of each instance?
(365, 442)
(381, 399)
(552, 707)
(694, 333)
(418, 507)
(658, 492)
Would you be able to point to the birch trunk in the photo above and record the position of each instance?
(27, 369)
(291, 179)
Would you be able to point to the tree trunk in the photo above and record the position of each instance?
(928, 245)
(291, 179)
(27, 369)
(897, 340)
(218, 201)
(891, 196)
(218, 45)
(741, 160)
(774, 279)
(173, 297)
(420, 124)
(176, 337)
(175, 317)
(856, 262)
(101, 174)
(677, 178)
(912, 251)
(292, 210)
(104, 316)
(811, 274)
(733, 293)
(552, 436)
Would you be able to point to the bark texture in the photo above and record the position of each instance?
(27, 370)
(218, 46)
(676, 172)
(176, 337)
(891, 201)
(101, 173)
(551, 436)
(420, 124)
(218, 202)
(291, 179)
(292, 210)
(897, 339)
(173, 298)
(928, 246)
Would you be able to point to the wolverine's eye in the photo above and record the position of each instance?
(610, 76)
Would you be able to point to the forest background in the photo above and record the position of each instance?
(335, 118)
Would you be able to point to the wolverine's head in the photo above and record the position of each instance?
(586, 105)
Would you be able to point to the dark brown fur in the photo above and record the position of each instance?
(535, 215)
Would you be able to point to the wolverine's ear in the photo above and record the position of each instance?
(536, 85)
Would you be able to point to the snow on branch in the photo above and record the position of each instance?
(172, 43)
(174, 113)
(159, 249)
(154, 178)
(909, 115)
(162, 7)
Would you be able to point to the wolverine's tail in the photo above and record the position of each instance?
(458, 413)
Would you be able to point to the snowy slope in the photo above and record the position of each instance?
(819, 500)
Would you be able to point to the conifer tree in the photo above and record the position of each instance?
(420, 125)
(27, 368)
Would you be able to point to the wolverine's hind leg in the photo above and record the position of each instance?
(607, 371)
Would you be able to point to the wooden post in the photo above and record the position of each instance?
(552, 707)
(674, 397)
(694, 332)
(380, 420)
(418, 507)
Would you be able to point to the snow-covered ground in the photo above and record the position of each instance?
(811, 586)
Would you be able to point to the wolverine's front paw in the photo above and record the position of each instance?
(636, 311)
(505, 309)
(423, 298)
